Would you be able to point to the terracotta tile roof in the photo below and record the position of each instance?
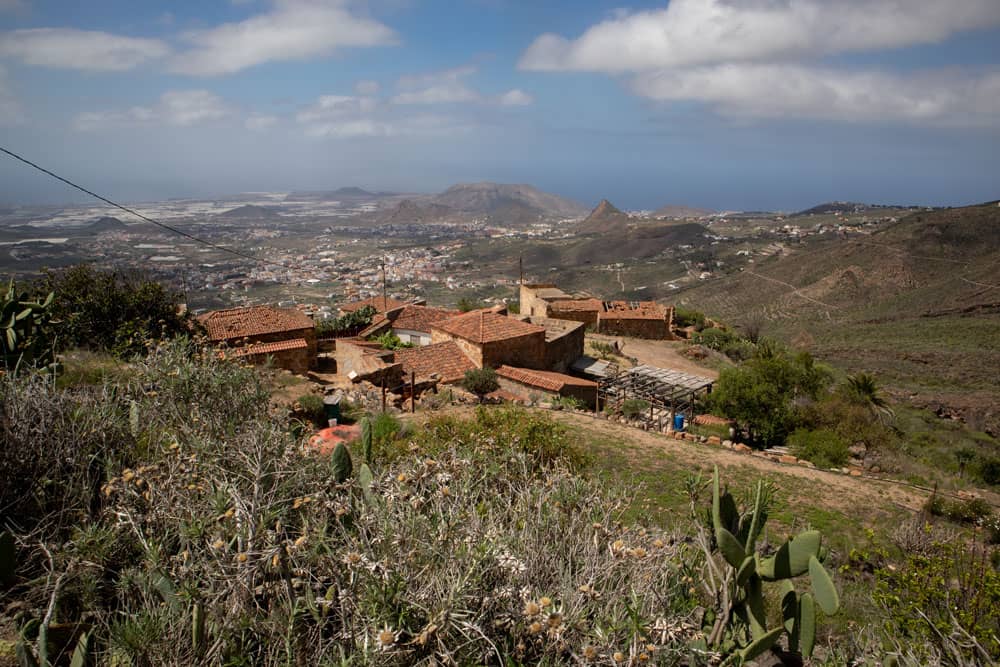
(585, 305)
(271, 348)
(634, 310)
(381, 305)
(483, 326)
(542, 379)
(446, 359)
(420, 318)
(255, 321)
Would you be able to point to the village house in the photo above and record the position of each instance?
(411, 323)
(639, 319)
(524, 382)
(491, 339)
(286, 336)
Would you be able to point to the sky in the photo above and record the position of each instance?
(724, 104)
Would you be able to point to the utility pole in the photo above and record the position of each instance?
(520, 267)
(385, 300)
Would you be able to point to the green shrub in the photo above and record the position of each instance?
(114, 311)
(390, 341)
(568, 402)
(480, 381)
(349, 324)
(824, 447)
(312, 406)
(989, 470)
(716, 339)
(684, 317)
(972, 510)
(634, 407)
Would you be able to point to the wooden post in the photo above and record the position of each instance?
(413, 392)
(520, 267)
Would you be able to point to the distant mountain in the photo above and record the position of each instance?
(104, 224)
(672, 211)
(844, 207)
(605, 217)
(410, 211)
(350, 193)
(251, 212)
(499, 200)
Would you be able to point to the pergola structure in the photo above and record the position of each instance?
(668, 392)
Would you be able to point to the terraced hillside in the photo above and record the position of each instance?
(918, 302)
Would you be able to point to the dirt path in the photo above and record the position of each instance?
(661, 353)
(829, 490)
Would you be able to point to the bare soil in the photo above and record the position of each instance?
(660, 353)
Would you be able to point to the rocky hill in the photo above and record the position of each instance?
(251, 212)
(604, 218)
(498, 199)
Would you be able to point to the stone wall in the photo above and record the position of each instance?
(561, 352)
(655, 329)
(530, 303)
(588, 317)
(524, 351)
(297, 361)
(308, 334)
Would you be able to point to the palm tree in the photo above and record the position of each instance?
(862, 389)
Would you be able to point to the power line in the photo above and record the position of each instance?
(210, 244)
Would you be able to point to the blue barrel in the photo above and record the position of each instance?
(678, 422)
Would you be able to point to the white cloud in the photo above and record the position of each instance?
(336, 108)
(80, 49)
(445, 87)
(701, 32)
(347, 116)
(10, 109)
(259, 121)
(291, 30)
(796, 91)
(367, 88)
(175, 107)
(345, 129)
(516, 98)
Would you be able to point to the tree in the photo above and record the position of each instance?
(114, 311)
(480, 381)
(465, 304)
(862, 389)
(761, 394)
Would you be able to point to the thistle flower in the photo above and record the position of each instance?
(589, 652)
(531, 608)
(534, 628)
(618, 656)
(386, 638)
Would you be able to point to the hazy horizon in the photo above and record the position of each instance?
(721, 104)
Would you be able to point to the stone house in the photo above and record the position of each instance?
(491, 339)
(564, 341)
(249, 328)
(639, 319)
(411, 322)
(523, 382)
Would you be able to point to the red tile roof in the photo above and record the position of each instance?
(446, 359)
(542, 379)
(255, 321)
(271, 348)
(484, 326)
(585, 305)
(381, 305)
(420, 318)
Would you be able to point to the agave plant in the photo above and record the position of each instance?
(22, 325)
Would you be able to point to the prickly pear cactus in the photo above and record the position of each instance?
(743, 625)
(341, 464)
(22, 325)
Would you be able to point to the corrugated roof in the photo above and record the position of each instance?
(548, 380)
(271, 348)
(445, 359)
(234, 323)
(483, 326)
